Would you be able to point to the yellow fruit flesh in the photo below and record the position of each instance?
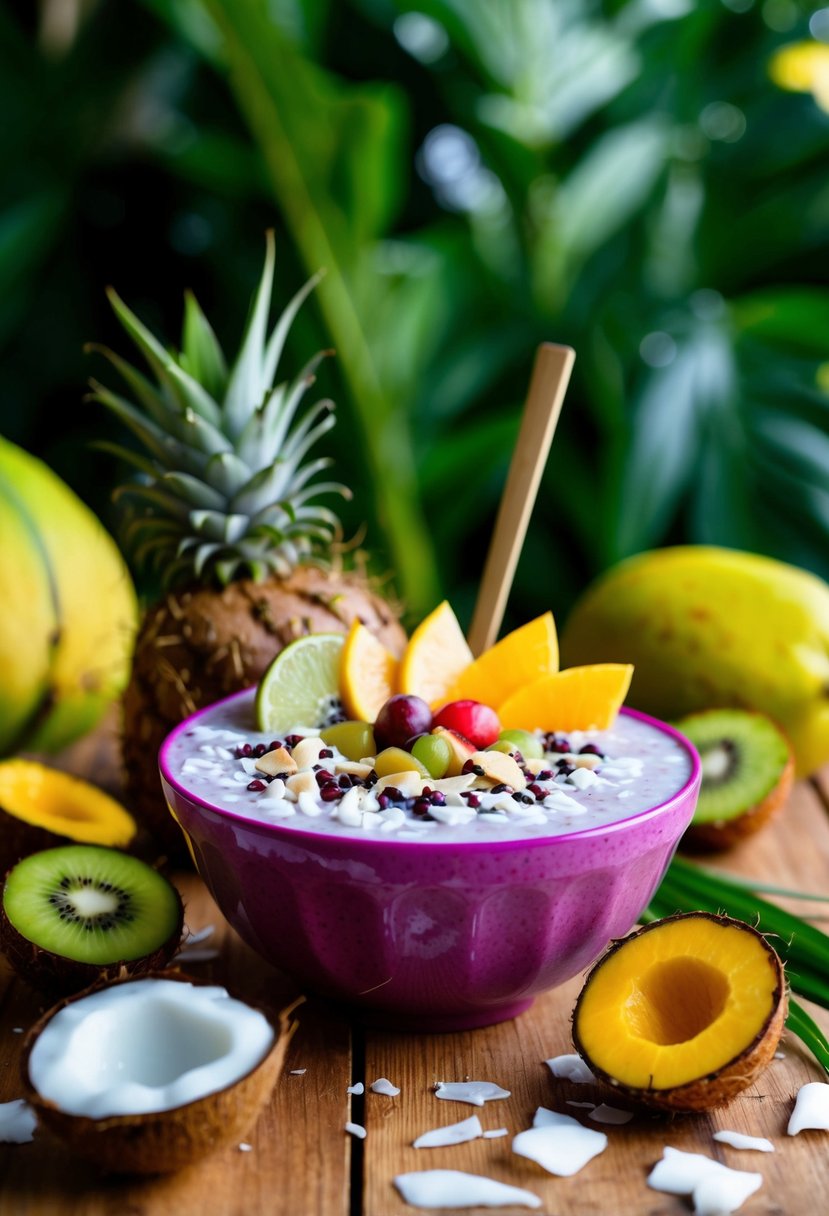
(675, 1004)
(368, 674)
(520, 658)
(579, 698)
(708, 627)
(436, 655)
(62, 804)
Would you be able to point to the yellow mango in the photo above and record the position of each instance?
(707, 627)
(68, 610)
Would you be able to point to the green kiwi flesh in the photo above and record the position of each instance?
(747, 770)
(74, 914)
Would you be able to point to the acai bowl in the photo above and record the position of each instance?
(438, 908)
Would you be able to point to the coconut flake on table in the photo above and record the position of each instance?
(495, 1133)
(298, 1072)
(245, 1148)
(384, 1086)
(739, 1140)
(473, 1092)
(17, 1122)
(453, 1133)
(194, 955)
(357, 1089)
(571, 1068)
(559, 1143)
(811, 1109)
(356, 1129)
(456, 1189)
(716, 1189)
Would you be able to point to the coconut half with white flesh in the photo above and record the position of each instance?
(146, 1076)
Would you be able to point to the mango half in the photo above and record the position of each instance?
(68, 610)
(707, 627)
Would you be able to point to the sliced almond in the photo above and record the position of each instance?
(307, 751)
(588, 760)
(302, 783)
(278, 761)
(354, 768)
(454, 785)
(499, 768)
(536, 766)
(408, 782)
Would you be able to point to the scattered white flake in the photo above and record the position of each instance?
(473, 1092)
(249, 765)
(193, 937)
(584, 778)
(17, 1122)
(245, 1148)
(189, 955)
(738, 1140)
(455, 1189)
(557, 800)
(495, 1133)
(276, 789)
(610, 1114)
(571, 1068)
(454, 1133)
(716, 1190)
(357, 1089)
(452, 816)
(309, 806)
(559, 1143)
(356, 1129)
(280, 808)
(298, 1072)
(811, 1109)
(384, 1086)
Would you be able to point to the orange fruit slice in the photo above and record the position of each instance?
(578, 698)
(436, 655)
(520, 658)
(368, 674)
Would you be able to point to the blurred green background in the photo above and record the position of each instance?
(643, 179)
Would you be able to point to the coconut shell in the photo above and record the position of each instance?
(712, 1088)
(163, 1141)
(57, 976)
(200, 645)
(725, 833)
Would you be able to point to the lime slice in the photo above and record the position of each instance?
(301, 686)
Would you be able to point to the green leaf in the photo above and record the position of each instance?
(246, 386)
(795, 318)
(807, 1030)
(200, 346)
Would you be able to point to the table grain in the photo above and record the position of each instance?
(301, 1160)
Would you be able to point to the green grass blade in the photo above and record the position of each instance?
(810, 1034)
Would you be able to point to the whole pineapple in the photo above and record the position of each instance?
(225, 511)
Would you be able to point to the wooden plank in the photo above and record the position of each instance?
(792, 852)
(300, 1157)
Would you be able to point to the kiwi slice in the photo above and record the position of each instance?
(76, 914)
(747, 773)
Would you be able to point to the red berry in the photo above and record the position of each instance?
(476, 722)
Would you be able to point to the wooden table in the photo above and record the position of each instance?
(303, 1163)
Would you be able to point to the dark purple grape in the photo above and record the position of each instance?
(401, 718)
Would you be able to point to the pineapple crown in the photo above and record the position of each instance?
(225, 489)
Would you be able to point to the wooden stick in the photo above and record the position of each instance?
(551, 375)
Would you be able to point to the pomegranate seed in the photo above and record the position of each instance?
(565, 769)
(383, 801)
(274, 744)
(546, 774)
(326, 753)
(437, 798)
(292, 740)
(256, 785)
(590, 749)
(331, 793)
(474, 801)
(393, 794)
(322, 775)
(537, 790)
(246, 749)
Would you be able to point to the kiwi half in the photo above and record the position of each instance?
(81, 913)
(747, 774)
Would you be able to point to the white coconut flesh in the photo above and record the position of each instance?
(146, 1046)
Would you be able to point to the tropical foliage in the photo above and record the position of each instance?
(643, 179)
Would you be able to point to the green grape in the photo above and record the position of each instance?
(502, 745)
(395, 760)
(527, 744)
(354, 739)
(433, 752)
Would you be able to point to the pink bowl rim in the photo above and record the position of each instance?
(282, 831)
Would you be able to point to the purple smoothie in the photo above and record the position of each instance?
(436, 933)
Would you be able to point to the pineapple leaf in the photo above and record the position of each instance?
(170, 506)
(204, 436)
(155, 405)
(201, 349)
(303, 437)
(153, 546)
(268, 426)
(154, 439)
(225, 570)
(246, 388)
(193, 491)
(194, 396)
(276, 342)
(138, 461)
(202, 555)
(215, 525)
(227, 473)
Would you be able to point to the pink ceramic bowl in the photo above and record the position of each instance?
(430, 936)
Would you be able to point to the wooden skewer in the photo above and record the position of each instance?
(551, 375)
